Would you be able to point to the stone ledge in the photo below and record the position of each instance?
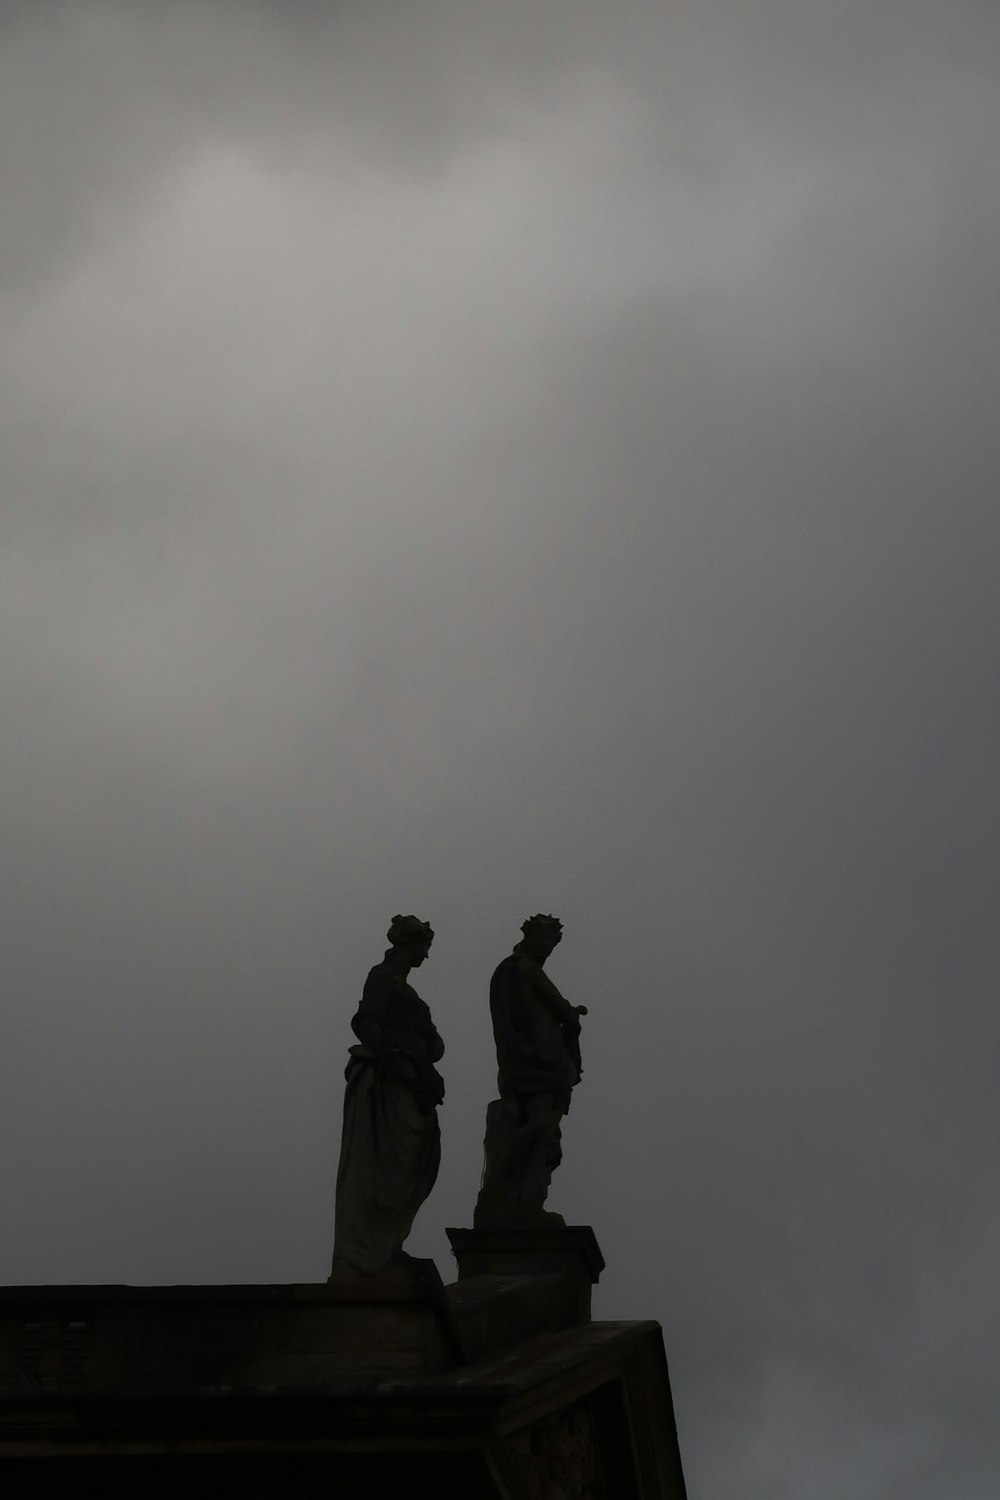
(80, 1339)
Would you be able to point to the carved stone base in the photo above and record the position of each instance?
(521, 1151)
(568, 1252)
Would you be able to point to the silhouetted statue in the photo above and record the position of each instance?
(391, 1147)
(537, 1034)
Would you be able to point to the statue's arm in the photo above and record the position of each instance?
(370, 1023)
(435, 1046)
(564, 1012)
(369, 1030)
(423, 1047)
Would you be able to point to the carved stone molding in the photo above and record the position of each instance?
(558, 1459)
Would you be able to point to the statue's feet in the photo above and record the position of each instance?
(517, 1218)
(400, 1267)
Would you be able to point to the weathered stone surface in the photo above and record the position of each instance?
(491, 1312)
(391, 1385)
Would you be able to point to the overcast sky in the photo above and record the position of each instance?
(470, 459)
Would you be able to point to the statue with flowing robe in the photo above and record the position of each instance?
(391, 1144)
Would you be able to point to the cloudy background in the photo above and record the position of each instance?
(470, 459)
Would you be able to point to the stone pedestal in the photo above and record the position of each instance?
(567, 1256)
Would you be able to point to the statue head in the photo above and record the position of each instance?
(412, 937)
(541, 934)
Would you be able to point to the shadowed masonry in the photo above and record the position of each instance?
(495, 1388)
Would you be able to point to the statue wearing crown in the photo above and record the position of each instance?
(537, 1034)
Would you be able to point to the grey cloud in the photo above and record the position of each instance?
(470, 460)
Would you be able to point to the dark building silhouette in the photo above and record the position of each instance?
(498, 1385)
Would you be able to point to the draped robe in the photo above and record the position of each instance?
(391, 1144)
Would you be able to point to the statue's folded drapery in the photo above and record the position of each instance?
(391, 1146)
(537, 1032)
